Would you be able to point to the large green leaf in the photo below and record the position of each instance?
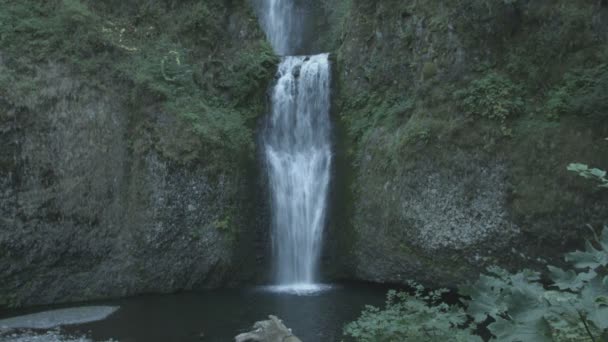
(569, 280)
(577, 167)
(509, 331)
(485, 298)
(603, 241)
(598, 173)
(593, 302)
(590, 258)
(525, 305)
(566, 323)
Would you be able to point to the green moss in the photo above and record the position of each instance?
(582, 91)
(227, 226)
(418, 131)
(174, 55)
(429, 70)
(367, 111)
(512, 62)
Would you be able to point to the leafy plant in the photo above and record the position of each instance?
(166, 54)
(584, 171)
(521, 309)
(421, 316)
(516, 307)
(493, 97)
(582, 91)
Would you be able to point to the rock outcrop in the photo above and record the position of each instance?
(461, 120)
(271, 330)
(106, 188)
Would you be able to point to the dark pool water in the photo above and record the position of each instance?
(221, 315)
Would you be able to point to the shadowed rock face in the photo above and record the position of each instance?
(93, 206)
(85, 217)
(429, 214)
(439, 193)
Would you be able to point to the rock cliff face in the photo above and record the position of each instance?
(128, 153)
(462, 117)
(106, 194)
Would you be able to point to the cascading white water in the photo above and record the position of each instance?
(297, 148)
(283, 24)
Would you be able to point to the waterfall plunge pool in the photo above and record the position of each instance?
(219, 315)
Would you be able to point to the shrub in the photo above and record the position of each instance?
(517, 306)
(420, 316)
(65, 30)
(582, 92)
(165, 53)
(493, 97)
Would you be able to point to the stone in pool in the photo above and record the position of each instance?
(55, 318)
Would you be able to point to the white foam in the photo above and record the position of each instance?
(302, 289)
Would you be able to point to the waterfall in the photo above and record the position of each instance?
(282, 21)
(297, 150)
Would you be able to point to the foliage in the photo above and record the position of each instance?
(166, 53)
(375, 110)
(60, 30)
(521, 309)
(517, 306)
(421, 316)
(493, 97)
(419, 131)
(584, 171)
(582, 91)
(561, 32)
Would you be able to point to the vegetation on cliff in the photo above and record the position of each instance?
(468, 66)
(490, 95)
(175, 55)
(505, 306)
(127, 133)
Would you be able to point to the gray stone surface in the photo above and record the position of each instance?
(49, 336)
(85, 216)
(271, 330)
(438, 194)
(442, 220)
(56, 318)
(102, 196)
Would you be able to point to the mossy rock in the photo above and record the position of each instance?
(429, 70)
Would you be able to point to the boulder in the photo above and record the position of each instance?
(271, 330)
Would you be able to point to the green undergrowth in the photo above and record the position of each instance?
(493, 97)
(511, 306)
(176, 55)
(570, 306)
(582, 91)
(418, 316)
(374, 110)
